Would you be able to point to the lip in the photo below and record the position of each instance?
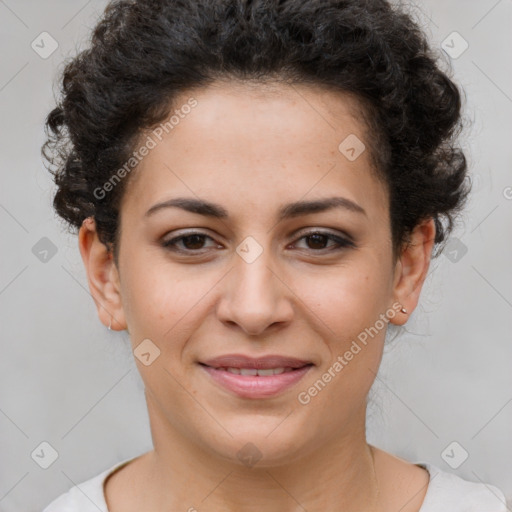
(256, 386)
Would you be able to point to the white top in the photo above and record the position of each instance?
(446, 492)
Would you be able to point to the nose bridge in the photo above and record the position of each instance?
(253, 275)
(254, 297)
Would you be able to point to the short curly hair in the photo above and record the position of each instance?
(144, 53)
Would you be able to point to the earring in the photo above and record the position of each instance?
(403, 310)
(110, 325)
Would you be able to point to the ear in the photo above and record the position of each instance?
(102, 275)
(412, 267)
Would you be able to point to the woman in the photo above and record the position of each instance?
(259, 187)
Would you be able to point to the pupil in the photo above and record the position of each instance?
(317, 237)
(197, 238)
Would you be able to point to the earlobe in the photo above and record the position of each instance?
(102, 276)
(412, 267)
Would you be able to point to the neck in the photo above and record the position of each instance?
(338, 474)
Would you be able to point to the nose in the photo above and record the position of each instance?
(255, 296)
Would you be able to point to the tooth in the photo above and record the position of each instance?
(270, 371)
(254, 371)
(266, 372)
(248, 371)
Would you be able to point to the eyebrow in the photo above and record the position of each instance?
(291, 210)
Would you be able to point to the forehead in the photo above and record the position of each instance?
(246, 139)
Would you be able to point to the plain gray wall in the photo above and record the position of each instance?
(68, 381)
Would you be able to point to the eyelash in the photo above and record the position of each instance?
(172, 243)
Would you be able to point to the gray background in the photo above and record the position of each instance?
(67, 381)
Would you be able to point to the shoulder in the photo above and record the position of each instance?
(87, 496)
(84, 497)
(447, 491)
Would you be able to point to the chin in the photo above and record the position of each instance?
(260, 446)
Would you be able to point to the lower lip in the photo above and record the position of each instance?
(256, 386)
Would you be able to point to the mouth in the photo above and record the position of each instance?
(256, 378)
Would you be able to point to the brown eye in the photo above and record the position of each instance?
(189, 243)
(193, 242)
(317, 241)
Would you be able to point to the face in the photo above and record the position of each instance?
(259, 273)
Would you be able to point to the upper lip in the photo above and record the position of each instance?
(265, 362)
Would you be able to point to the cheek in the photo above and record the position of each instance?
(162, 302)
(345, 300)
(347, 309)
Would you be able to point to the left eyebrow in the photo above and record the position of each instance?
(320, 205)
(291, 210)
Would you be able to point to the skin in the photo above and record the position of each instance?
(251, 150)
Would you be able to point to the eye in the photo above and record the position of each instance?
(318, 239)
(193, 242)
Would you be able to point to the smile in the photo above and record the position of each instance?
(256, 383)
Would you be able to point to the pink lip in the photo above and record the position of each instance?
(256, 386)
